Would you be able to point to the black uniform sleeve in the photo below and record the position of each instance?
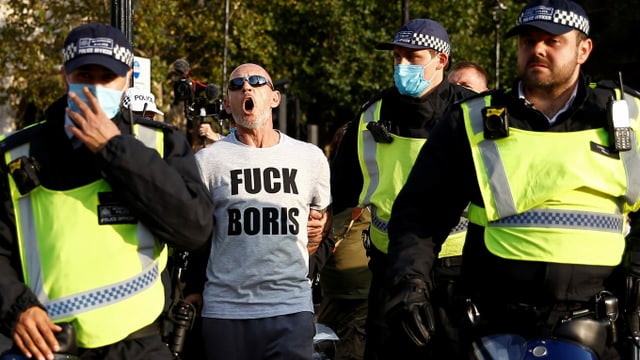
(166, 193)
(346, 176)
(325, 250)
(431, 201)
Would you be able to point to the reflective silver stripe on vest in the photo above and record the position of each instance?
(146, 240)
(505, 205)
(147, 135)
(34, 272)
(94, 298)
(492, 162)
(369, 154)
(633, 172)
(568, 219)
(497, 178)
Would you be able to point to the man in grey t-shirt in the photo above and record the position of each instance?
(257, 298)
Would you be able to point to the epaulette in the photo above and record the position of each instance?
(375, 98)
(20, 137)
(612, 85)
(492, 92)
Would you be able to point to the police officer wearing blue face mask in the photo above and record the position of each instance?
(89, 203)
(377, 153)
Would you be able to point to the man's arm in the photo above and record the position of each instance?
(431, 202)
(165, 193)
(426, 209)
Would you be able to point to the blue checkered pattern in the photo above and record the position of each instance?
(119, 53)
(462, 226)
(431, 42)
(563, 219)
(557, 16)
(384, 225)
(569, 18)
(102, 297)
(69, 52)
(377, 222)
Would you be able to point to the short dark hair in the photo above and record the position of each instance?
(470, 64)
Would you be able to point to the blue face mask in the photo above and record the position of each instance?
(409, 79)
(108, 99)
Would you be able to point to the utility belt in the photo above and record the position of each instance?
(149, 330)
(591, 323)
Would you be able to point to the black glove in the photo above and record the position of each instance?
(409, 307)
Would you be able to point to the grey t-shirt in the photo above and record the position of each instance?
(262, 196)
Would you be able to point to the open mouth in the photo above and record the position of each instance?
(248, 105)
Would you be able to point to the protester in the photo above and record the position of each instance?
(89, 202)
(549, 184)
(257, 297)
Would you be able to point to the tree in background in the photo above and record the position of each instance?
(324, 49)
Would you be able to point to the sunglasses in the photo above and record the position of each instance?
(253, 80)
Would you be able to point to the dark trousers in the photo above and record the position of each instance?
(283, 337)
(382, 342)
(385, 343)
(145, 348)
(347, 318)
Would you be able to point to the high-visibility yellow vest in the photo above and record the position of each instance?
(105, 279)
(385, 169)
(553, 197)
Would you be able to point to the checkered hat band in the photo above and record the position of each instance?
(569, 18)
(119, 53)
(561, 17)
(126, 101)
(428, 41)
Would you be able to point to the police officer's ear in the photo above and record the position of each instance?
(585, 45)
(443, 61)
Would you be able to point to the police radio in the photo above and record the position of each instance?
(380, 132)
(618, 122)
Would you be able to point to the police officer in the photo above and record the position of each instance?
(89, 201)
(378, 151)
(549, 179)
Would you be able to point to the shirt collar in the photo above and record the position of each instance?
(564, 108)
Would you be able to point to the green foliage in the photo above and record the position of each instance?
(320, 52)
(31, 43)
